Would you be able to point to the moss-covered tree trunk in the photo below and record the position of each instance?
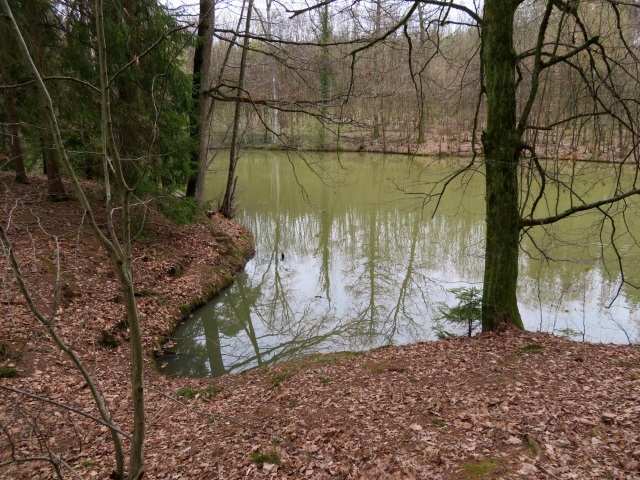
(499, 303)
(325, 71)
(422, 106)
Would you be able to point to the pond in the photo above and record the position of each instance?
(351, 256)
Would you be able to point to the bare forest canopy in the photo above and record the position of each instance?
(376, 75)
(510, 80)
(404, 76)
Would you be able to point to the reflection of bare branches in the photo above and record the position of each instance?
(436, 190)
(298, 344)
(604, 207)
(404, 294)
(627, 334)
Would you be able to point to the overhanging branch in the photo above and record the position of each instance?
(530, 222)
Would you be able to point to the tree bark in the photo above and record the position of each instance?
(325, 71)
(12, 118)
(227, 208)
(199, 118)
(377, 104)
(422, 113)
(275, 113)
(501, 148)
(55, 187)
(11, 114)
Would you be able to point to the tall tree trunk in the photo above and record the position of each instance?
(376, 75)
(501, 147)
(199, 119)
(13, 127)
(10, 109)
(325, 70)
(275, 113)
(422, 114)
(227, 208)
(55, 187)
(121, 253)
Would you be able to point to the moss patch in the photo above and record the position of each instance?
(178, 268)
(186, 392)
(276, 380)
(206, 393)
(8, 372)
(271, 457)
(532, 347)
(489, 468)
(107, 340)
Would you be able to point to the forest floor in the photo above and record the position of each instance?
(497, 406)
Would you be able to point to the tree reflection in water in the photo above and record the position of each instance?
(364, 264)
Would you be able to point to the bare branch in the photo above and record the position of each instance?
(295, 13)
(572, 53)
(389, 31)
(51, 79)
(110, 426)
(449, 4)
(526, 222)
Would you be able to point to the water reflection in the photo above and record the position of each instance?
(357, 265)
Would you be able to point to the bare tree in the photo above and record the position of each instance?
(591, 41)
(227, 207)
(200, 119)
(116, 244)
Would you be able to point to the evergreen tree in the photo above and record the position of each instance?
(150, 91)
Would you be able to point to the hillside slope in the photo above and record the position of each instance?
(499, 406)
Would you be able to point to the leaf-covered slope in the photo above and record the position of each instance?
(499, 406)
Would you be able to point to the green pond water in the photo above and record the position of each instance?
(350, 256)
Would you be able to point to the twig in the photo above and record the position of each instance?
(544, 470)
(42, 459)
(67, 407)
